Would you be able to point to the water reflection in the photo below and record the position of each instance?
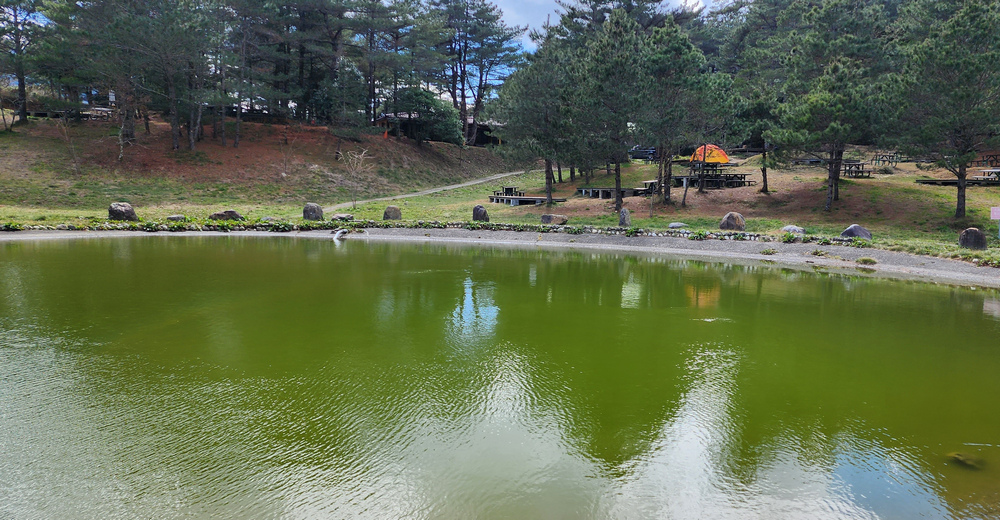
(303, 379)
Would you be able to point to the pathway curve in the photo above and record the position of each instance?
(426, 192)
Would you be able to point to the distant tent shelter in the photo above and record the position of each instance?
(714, 154)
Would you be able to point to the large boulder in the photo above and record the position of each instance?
(312, 211)
(392, 213)
(229, 214)
(856, 231)
(733, 221)
(793, 229)
(972, 238)
(625, 218)
(479, 214)
(554, 220)
(122, 211)
(342, 216)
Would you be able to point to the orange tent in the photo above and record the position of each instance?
(715, 154)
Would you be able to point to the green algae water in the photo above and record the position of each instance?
(236, 377)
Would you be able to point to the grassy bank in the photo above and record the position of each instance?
(47, 179)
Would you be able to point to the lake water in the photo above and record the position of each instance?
(237, 377)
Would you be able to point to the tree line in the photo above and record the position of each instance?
(784, 76)
(338, 62)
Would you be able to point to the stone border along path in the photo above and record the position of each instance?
(484, 180)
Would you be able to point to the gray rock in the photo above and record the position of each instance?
(122, 211)
(972, 238)
(312, 211)
(342, 216)
(733, 221)
(62, 227)
(479, 214)
(793, 229)
(677, 225)
(856, 231)
(177, 218)
(555, 220)
(229, 214)
(392, 213)
(268, 219)
(625, 218)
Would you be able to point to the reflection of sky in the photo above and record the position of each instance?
(475, 316)
(886, 482)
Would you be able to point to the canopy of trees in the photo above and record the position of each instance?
(341, 62)
(782, 76)
(794, 76)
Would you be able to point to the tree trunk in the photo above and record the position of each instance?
(839, 160)
(831, 181)
(618, 186)
(763, 170)
(960, 204)
(175, 123)
(559, 169)
(607, 168)
(701, 168)
(22, 91)
(239, 119)
(668, 180)
(572, 173)
(548, 181)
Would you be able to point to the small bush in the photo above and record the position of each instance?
(860, 242)
(769, 251)
(698, 235)
(788, 237)
(866, 261)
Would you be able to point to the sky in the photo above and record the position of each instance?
(533, 13)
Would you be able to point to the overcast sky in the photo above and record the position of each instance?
(533, 13)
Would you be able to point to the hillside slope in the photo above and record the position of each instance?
(78, 166)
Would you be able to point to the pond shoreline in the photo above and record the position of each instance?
(837, 259)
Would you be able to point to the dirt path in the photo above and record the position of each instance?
(425, 192)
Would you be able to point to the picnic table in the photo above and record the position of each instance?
(992, 159)
(714, 181)
(890, 158)
(509, 191)
(989, 174)
(855, 169)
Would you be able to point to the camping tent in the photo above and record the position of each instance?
(715, 154)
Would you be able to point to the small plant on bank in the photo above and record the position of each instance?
(11, 226)
(632, 232)
(860, 242)
(788, 237)
(824, 241)
(149, 225)
(818, 252)
(740, 237)
(574, 230)
(701, 234)
(177, 226)
(866, 261)
(769, 251)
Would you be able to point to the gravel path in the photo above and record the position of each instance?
(425, 192)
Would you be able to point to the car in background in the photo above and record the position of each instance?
(639, 153)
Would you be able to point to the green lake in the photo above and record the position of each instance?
(261, 377)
